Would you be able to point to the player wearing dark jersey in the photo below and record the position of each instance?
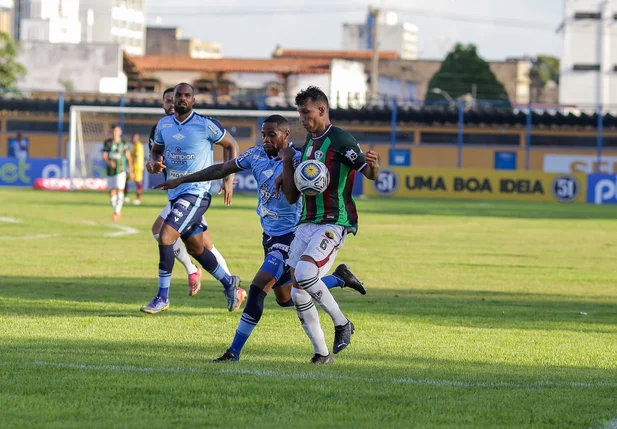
(326, 218)
(118, 163)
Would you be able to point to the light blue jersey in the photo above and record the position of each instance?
(277, 216)
(189, 147)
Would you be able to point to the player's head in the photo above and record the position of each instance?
(275, 134)
(168, 101)
(312, 104)
(135, 137)
(184, 98)
(116, 132)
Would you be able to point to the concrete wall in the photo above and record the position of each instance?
(84, 65)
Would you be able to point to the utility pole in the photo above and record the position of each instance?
(373, 26)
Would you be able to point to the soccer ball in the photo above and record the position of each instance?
(312, 177)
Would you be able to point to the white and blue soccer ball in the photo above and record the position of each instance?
(311, 177)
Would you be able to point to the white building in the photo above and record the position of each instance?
(80, 67)
(53, 21)
(391, 36)
(589, 63)
(115, 21)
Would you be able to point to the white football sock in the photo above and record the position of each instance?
(119, 202)
(307, 275)
(183, 257)
(309, 317)
(114, 201)
(220, 259)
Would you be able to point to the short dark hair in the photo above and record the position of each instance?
(312, 93)
(280, 121)
(167, 91)
(187, 84)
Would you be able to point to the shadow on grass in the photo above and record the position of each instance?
(154, 353)
(90, 296)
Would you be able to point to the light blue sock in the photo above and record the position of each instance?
(333, 281)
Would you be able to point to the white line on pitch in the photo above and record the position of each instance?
(10, 220)
(124, 230)
(319, 376)
(31, 237)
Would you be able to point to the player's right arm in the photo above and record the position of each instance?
(106, 148)
(157, 152)
(291, 159)
(214, 172)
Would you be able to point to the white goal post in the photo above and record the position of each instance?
(90, 126)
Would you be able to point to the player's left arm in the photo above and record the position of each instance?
(129, 161)
(291, 159)
(353, 157)
(230, 152)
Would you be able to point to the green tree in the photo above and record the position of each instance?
(10, 69)
(545, 69)
(463, 72)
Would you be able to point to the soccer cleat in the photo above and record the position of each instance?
(241, 297)
(322, 360)
(232, 293)
(157, 305)
(342, 336)
(115, 217)
(228, 356)
(195, 282)
(350, 279)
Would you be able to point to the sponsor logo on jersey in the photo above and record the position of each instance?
(179, 157)
(351, 155)
(183, 203)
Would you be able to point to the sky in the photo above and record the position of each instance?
(253, 28)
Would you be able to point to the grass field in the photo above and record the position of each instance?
(478, 315)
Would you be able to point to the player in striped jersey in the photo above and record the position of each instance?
(180, 252)
(326, 218)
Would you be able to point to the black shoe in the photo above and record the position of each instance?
(322, 360)
(228, 356)
(350, 279)
(342, 336)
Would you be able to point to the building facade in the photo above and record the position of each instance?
(588, 77)
(51, 21)
(6, 17)
(169, 41)
(115, 21)
(392, 35)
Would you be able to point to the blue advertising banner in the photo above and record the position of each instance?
(602, 188)
(23, 172)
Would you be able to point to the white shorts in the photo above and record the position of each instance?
(320, 242)
(167, 209)
(116, 182)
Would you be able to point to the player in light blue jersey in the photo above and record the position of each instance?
(278, 220)
(186, 141)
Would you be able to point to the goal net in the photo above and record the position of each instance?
(90, 126)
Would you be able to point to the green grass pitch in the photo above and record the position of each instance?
(478, 315)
